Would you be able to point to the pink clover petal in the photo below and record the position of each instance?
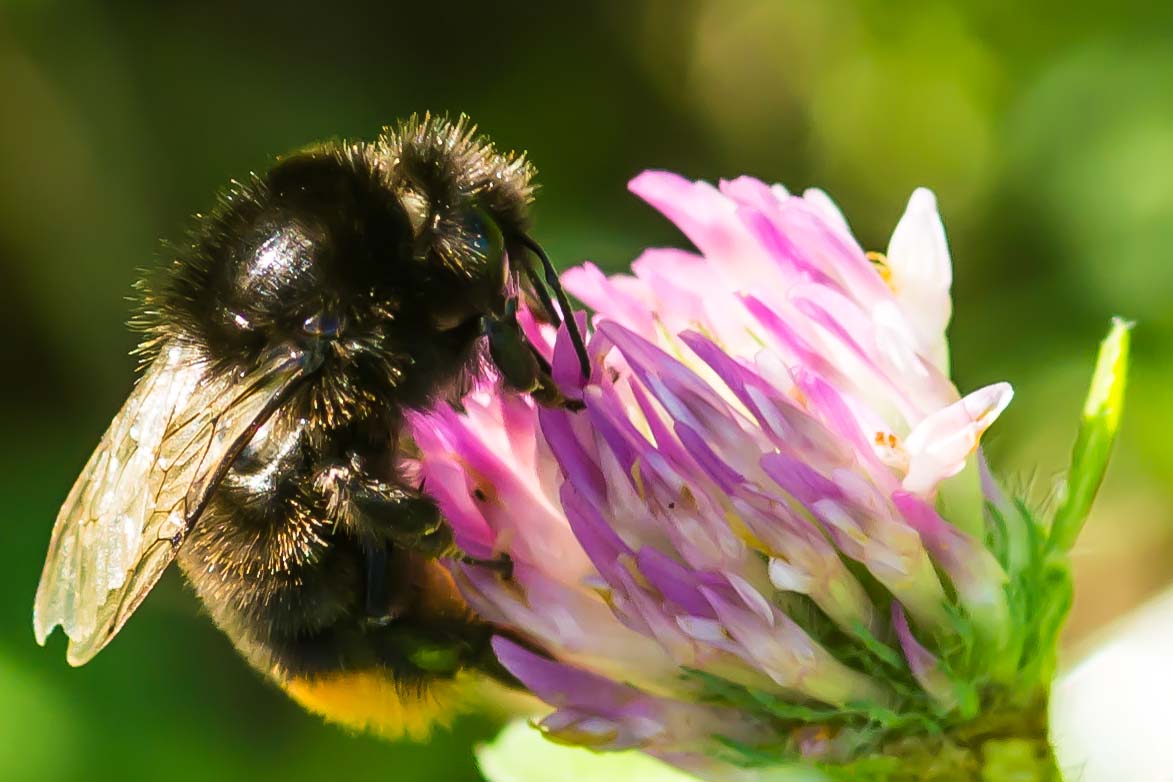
(756, 464)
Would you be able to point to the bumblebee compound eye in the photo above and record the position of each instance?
(487, 243)
(479, 281)
(322, 324)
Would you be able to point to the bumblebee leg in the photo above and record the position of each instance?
(502, 564)
(430, 646)
(387, 598)
(378, 512)
(521, 367)
(377, 587)
(410, 519)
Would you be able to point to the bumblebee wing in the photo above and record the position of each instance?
(145, 485)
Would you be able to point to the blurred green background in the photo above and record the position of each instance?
(1046, 130)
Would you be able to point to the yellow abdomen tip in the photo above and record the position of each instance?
(372, 701)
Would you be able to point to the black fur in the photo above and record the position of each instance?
(313, 552)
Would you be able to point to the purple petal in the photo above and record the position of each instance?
(598, 539)
(579, 467)
(796, 349)
(674, 581)
(925, 667)
(725, 477)
(799, 479)
(565, 367)
(972, 569)
(561, 685)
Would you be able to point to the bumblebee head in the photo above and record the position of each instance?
(384, 258)
(387, 260)
(468, 206)
(469, 209)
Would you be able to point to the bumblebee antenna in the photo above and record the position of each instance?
(551, 276)
(543, 296)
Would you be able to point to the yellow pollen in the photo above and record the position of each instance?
(606, 595)
(738, 527)
(627, 562)
(880, 262)
(637, 476)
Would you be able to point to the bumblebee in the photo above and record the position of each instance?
(261, 447)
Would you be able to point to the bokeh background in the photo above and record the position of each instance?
(1046, 129)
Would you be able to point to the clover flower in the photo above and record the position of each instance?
(769, 543)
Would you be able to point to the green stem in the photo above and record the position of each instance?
(1011, 746)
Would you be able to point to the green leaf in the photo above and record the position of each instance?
(521, 754)
(1097, 431)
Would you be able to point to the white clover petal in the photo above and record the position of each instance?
(788, 578)
(938, 447)
(921, 274)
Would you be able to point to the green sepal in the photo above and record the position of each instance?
(1093, 444)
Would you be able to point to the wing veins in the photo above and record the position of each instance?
(101, 564)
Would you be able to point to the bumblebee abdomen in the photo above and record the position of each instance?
(373, 701)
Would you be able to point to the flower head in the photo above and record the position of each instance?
(769, 535)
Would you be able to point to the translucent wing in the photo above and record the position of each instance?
(145, 485)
